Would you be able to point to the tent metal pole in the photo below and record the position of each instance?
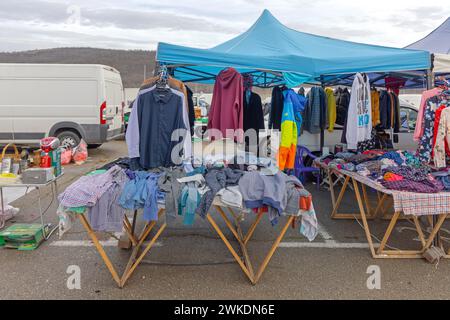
(430, 85)
(322, 131)
(430, 75)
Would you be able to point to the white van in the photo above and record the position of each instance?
(71, 102)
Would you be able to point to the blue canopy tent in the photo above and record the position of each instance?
(275, 54)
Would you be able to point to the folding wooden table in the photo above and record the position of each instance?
(366, 212)
(243, 239)
(137, 242)
(138, 254)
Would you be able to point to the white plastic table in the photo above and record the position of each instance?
(54, 185)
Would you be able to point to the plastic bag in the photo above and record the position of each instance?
(9, 213)
(80, 153)
(66, 156)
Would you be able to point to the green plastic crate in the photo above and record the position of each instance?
(23, 237)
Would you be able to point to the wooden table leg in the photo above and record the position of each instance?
(388, 232)
(230, 248)
(127, 274)
(435, 230)
(252, 229)
(340, 197)
(364, 218)
(99, 248)
(273, 249)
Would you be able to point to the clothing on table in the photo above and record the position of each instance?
(169, 184)
(194, 188)
(309, 226)
(189, 201)
(342, 102)
(231, 196)
(107, 214)
(276, 108)
(226, 112)
(359, 122)
(296, 197)
(445, 182)
(443, 138)
(375, 100)
(413, 186)
(289, 134)
(413, 174)
(418, 132)
(331, 108)
(99, 194)
(217, 179)
(142, 192)
(258, 190)
(87, 190)
(315, 114)
(156, 114)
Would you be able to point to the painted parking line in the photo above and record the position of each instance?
(325, 245)
(89, 243)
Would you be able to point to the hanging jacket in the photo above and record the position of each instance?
(342, 101)
(298, 106)
(276, 108)
(385, 110)
(375, 95)
(359, 119)
(155, 116)
(289, 135)
(331, 108)
(226, 112)
(315, 115)
(253, 113)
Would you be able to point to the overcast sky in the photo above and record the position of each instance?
(141, 24)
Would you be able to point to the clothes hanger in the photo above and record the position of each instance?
(162, 82)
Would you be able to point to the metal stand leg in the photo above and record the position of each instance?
(2, 216)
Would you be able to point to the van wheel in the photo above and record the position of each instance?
(94, 146)
(69, 139)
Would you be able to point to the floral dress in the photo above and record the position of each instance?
(426, 141)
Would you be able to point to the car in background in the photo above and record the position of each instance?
(68, 101)
(403, 140)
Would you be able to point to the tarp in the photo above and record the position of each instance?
(441, 63)
(437, 42)
(294, 57)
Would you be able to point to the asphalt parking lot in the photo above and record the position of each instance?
(193, 263)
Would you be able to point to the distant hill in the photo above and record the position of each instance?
(130, 63)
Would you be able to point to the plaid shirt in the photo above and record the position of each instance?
(88, 189)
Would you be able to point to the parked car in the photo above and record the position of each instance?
(402, 140)
(71, 102)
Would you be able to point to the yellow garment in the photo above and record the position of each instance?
(289, 136)
(375, 97)
(331, 103)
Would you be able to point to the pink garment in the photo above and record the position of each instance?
(418, 132)
(227, 105)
